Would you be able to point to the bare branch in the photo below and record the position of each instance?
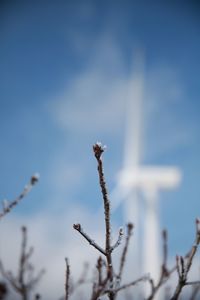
(98, 151)
(86, 236)
(119, 239)
(183, 267)
(99, 270)
(197, 282)
(130, 284)
(8, 206)
(164, 275)
(25, 281)
(67, 279)
(83, 276)
(130, 227)
(195, 291)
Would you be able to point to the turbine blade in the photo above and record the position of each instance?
(132, 151)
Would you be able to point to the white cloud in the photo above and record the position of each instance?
(95, 104)
(94, 99)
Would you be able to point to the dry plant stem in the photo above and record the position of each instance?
(119, 239)
(34, 179)
(22, 264)
(195, 292)
(130, 284)
(99, 286)
(193, 282)
(83, 276)
(164, 271)
(70, 286)
(124, 252)
(98, 290)
(98, 150)
(99, 270)
(184, 268)
(109, 285)
(24, 282)
(78, 227)
(67, 280)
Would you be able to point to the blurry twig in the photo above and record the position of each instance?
(119, 239)
(24, 282)
(165, 273)
(195, 291)
(183, 265)
(3, 290)
(130, 284)
(71, 286)
(130, 227)
(8, 206)
(67, 279)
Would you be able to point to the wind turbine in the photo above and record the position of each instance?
(135, 177)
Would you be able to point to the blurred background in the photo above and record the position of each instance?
(65, 68)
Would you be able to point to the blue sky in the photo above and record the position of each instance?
(64, 68)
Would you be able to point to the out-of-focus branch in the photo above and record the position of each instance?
(3, 290)
(195, 291)
(130, 284)
(164, 274)
(184, 265)
(67, 279)
(70, 286)
(24, 282)
(130, 227)
(8, 206)
(119, 239)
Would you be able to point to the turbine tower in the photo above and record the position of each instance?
(135, 179)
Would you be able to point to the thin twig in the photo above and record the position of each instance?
(183, 267)
(196, 282)
(130, 284)
(119, 239)
(67, 279)
(24, 282)
(195, 291)
(83, 276)
(78, 227)
(99, 270)
(98, 150)
(8, 206)
(164, 270)
(130, 227)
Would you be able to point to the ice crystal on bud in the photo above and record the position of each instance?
(5, 204)
(77, 226)
(98, 149)
(121, 231)
(198, 225)
(130, 227)
(35, 178)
